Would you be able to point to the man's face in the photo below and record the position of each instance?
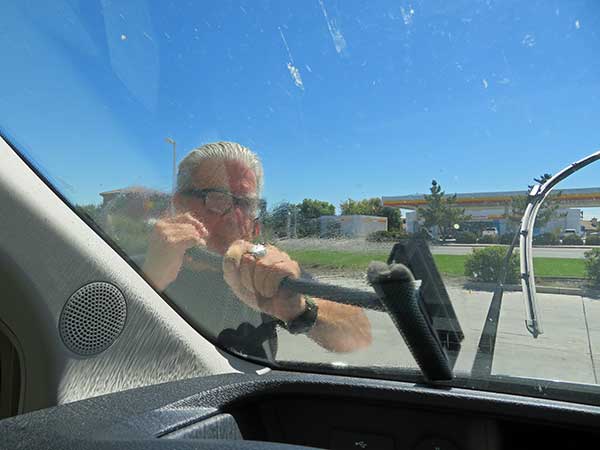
(231, 177)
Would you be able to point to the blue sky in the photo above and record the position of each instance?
(339, 98)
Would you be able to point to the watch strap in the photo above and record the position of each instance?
(305, 321)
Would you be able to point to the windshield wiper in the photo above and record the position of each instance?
(537, 195)
(396, 293)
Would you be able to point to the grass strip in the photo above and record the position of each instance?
(559, 267)
(452, 265)
(335, 259)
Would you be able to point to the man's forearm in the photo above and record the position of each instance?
(341, 328)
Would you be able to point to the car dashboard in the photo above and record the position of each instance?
(279, 409)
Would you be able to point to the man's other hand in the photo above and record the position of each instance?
(170, 239)
(256, 281)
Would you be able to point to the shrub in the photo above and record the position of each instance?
(592, 266)
(386, 236)
(485, 264)
(488, 240)
(507, 238)
(466, 237)
(592, 240)
(572, 239)
(545, 239)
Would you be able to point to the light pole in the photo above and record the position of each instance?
(174, 181)
(295, 229)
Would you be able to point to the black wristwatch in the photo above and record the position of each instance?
(305, 321)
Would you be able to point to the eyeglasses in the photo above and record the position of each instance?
(222, 202)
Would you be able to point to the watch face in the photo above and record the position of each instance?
(305, 321)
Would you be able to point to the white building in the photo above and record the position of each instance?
(488, 209)
(352, 226)
(566, 218)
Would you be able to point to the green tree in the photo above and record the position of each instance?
(313, 209)
(287, 219)
(159, 204)
(263, 213)
(265, 220)
(441, 210)
(548, 211)
(306, 216)
(393, 216)
(280, 219)
(91, 210)
(365, 207)
(348, 207)
(373, 207)
(130, 234)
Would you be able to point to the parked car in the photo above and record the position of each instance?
(490, 231)
(567, 232)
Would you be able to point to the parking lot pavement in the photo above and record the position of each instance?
(569, 349)
(561, 353)
(592, 318)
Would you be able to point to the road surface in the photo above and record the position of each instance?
(545, 252)
(355, 245)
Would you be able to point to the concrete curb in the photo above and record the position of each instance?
(540, 289)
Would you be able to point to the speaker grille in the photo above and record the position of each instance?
(92, 318)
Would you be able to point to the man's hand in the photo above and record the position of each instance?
(256, 281)
(168, 243)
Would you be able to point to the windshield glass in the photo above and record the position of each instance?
(329, 131)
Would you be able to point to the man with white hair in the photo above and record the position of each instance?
(216, 204)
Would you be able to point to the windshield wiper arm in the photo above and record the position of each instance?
(537, 195)
(338, 294)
